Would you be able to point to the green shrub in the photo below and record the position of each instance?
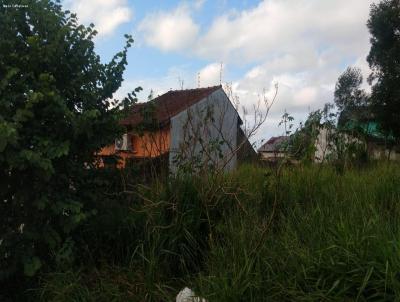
(55, 114)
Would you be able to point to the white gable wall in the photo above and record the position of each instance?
(195, 133)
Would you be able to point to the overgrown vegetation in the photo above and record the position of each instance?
(305, 234)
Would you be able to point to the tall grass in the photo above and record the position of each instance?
(303, 234)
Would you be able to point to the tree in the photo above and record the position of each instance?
(55, 114)
(286, 121)
(304, 141)
(384, 60)
(348, 93)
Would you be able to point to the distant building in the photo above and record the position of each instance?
(362, 130)
(179, 126)
(274, 149)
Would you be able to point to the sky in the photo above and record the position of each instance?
(300, 45)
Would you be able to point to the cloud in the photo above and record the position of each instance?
(303, 45)
(210, 75)
(273, 28)
(106, 15)
(298, 93)
(169, 31)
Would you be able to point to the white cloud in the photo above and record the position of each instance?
(298, 94)
(274, 28)
(210, 75)
(106, 15)
(305, 96)
(174, 30)
(303, 45)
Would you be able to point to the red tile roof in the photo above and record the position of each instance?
(274, 144)
(169, 104)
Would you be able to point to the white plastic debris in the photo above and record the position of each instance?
(187, 295)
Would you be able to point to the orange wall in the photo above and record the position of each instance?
(151, 144)
(146, 145)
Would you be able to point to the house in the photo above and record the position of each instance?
(365, 138)
(274, 149)
(357, 129)
(331, 141)
(190, 128)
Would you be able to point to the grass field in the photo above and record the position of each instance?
(298, 234)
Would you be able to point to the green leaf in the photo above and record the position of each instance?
(8, 135)
(31, 266)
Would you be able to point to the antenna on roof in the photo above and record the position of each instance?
(220, 74)
(198, 80)
(181, 81)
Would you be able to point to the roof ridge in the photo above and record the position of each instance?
(198, 88)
